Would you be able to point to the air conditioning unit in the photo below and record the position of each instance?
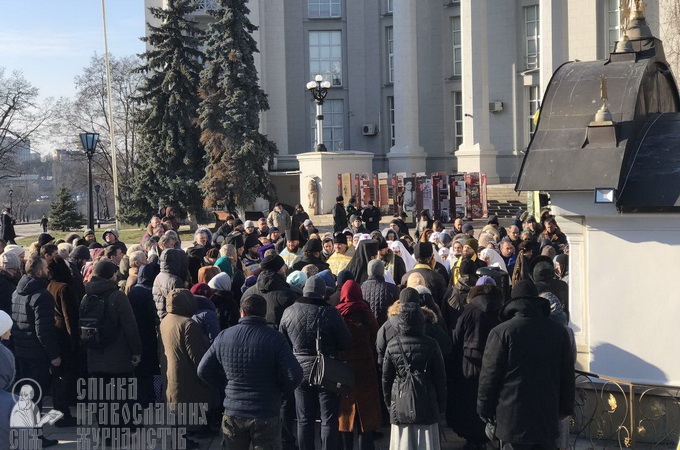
(370, 129)
(496, 107)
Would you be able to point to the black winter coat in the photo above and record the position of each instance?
(299, 324)
(391, 328)
(227, 308)
(144, 309)
(423, 355)
(339, 218)
(307, 259)
(33, 331)
(7, 287)
(273, 287)
(477, 320)
(527, 378)
(371, 217)
(379, 295)
(252, 380)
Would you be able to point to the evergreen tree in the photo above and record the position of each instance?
(171, 160)
(64, 213)
(232, 100)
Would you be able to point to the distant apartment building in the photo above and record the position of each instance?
(425, 86)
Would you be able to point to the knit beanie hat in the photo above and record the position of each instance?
(5, 322)
(272, 262)
(315, 287)
(297, 279)
(376, 268)
(313, 246)
(80, 252)
(485, 279)
(10, 261)
(327, 277)
(472, 243)
(221, 282)
(104, 268)
(409, 295)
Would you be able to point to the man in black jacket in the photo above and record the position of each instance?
(255, 380)
(35, 341)
(339, 214)
(423, 253)
(371, 217)
(527, 380)
(272, 286)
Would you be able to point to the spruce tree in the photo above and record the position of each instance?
(171, 159)
(238, 154)
(64, 213)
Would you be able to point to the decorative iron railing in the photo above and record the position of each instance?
(204, 5)
(611, 412)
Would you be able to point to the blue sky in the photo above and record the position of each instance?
(51, 41)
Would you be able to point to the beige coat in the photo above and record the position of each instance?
(184, 343)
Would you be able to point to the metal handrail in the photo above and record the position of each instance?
(613, 409)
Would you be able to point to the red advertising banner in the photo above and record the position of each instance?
(420, 186)
(436, 182)
(457, 198)
(398, 192)
(375, 194)
(339, 184)
(364, 190)
(383, 193)
(357, 187)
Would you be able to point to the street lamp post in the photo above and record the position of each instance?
(319, 90)
(11, 193)
(96, 190)
(89, 141)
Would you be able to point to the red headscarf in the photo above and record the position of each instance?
(351, 299)
(202, 289)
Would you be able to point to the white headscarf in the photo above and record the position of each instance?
(221, 282)
(409, 260)
(495, 260)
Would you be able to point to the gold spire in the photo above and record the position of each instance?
(638, 10)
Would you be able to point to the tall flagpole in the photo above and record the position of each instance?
(114, 164)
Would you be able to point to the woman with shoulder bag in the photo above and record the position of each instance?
(414, 384)
(307, 321)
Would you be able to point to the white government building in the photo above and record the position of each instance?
(425, 85)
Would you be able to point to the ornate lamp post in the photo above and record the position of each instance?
(319, 90)
(96, 190)
(89, 141)
(11, 193)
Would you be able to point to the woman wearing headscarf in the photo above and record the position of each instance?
(493, 259)
(411, 353)
(390, 235)
(360, 409)
(367, 250)
(226, 305)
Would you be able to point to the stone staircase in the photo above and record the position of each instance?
(503, 201)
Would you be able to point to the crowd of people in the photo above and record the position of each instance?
(449, 327)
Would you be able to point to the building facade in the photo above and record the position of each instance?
(424, 85)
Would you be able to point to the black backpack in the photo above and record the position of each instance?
(411, 402)
(98, 321)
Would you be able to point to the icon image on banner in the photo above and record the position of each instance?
(25, 413)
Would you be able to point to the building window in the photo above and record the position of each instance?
(390, 107)
(325, 56)
(333, 125)
(532, 105)
(613, 25)
(390, 6)
(458, 118)
(389, 40)
(457, 55)
(323, 8)
(533, 36)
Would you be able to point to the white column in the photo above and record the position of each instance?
(407, 155)
(554, 42)
(476, 153)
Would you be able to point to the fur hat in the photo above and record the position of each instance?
(272, 262)
(524, 289)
